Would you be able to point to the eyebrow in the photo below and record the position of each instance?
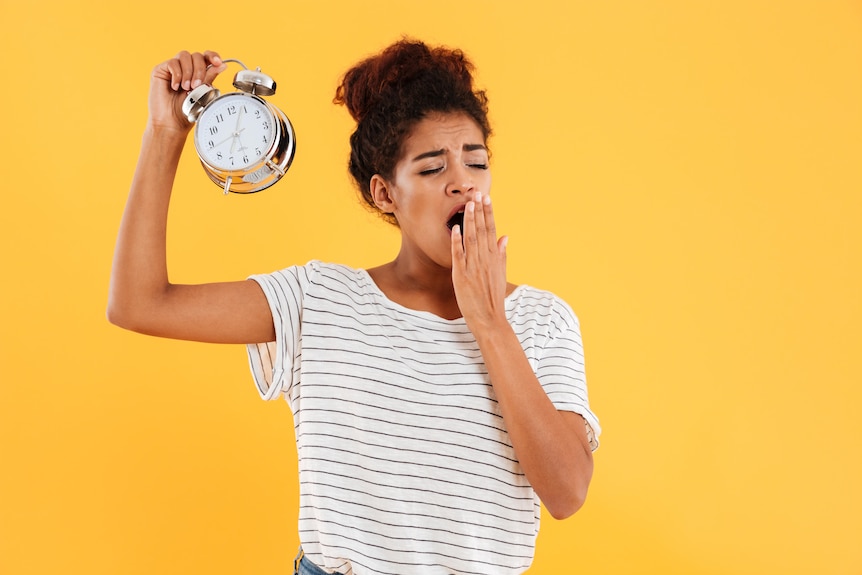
(435, 153)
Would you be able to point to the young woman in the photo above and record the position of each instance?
(435, 404)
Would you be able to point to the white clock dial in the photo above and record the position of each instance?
(235, 132)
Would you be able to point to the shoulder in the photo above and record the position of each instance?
(314, 276)
(337, 276)
(317, 270)
(542, 305)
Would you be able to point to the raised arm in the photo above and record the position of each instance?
(141, 297)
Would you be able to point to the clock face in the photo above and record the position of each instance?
(235, 132)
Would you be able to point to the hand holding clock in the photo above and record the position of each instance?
(171, 80)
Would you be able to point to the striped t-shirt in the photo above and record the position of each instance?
(405, 465)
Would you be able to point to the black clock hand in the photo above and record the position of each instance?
(233, 136)
(237, 130)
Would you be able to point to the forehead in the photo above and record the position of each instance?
(443, 131)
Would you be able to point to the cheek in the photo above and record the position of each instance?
(485, 184)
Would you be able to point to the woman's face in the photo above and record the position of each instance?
(444, 162)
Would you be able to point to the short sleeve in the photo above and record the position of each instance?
(275, 364)
(561, 370)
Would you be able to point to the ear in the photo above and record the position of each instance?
(381, 193)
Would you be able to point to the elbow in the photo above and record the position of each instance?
(571, 491)
(566, 506)
(116, 315)
(140, 311)
(117, 310)
(122, 314)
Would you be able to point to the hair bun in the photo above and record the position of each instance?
(369, 85)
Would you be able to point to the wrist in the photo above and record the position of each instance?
(166, 134)
(492, 332)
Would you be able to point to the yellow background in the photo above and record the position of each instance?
(686, 174)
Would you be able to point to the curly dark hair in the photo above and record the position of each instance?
(387, 94)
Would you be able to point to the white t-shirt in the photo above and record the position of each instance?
(405, 465)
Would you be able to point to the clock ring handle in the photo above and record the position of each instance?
(252, 81)
(249, 81)
(226, 60)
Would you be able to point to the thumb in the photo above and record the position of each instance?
(501, 245)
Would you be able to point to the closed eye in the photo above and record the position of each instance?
(431, 171)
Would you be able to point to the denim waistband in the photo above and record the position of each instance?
(302, 565)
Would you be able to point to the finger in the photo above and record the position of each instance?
(215, 66)
(184, 71)
(457, 241)
(480, 224)
(469, 232)
(490, 224)
(199, 70)
(501, 250)
(170, 71)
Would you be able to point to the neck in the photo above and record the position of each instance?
(418, 283)
(422, 275)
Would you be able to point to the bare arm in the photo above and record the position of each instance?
(551, 445)
(141, 298)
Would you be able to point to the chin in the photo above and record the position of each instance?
(444, 262)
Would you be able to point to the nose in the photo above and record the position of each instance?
(459, 189)
(460, 183)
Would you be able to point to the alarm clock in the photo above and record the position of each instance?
(245, 143)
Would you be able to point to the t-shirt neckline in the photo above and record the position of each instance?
(423, 313)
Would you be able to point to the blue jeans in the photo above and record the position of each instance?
(302, 565)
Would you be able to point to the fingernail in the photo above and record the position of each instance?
(478, 197)
(196, 83)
